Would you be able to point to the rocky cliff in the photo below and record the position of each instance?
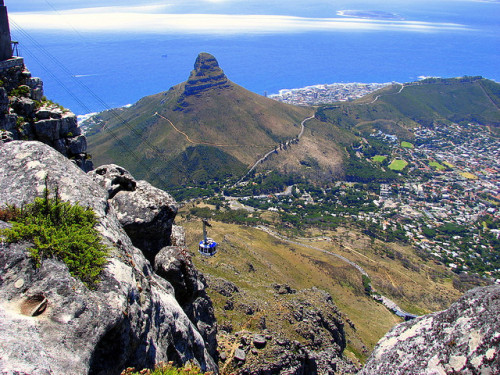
(25, 114)
(464, 339)
(206, 74)
(51, 323)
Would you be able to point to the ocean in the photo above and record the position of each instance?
(89, 71)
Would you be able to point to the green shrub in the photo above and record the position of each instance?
(367, 284)
(60, 230)
(22, 90)
(165, 369)
(19, 122)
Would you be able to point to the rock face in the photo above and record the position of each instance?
(464, 339)
(206, 74)
(50, 323)
(145, 212)
(312, 342)
(26, 115)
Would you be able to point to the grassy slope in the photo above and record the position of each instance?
(318, 156)
(254, 260)
(239, 123)
(445, 100)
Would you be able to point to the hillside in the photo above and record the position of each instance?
(205, 129)
(255, 262)
(397, 108)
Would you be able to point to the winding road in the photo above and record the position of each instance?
(274, 150)
(388, 303)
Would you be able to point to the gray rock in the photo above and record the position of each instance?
(36, 86)
(6, 136)
(47, 130)
(222, 286)
(48, 124)
(4, 101)
(43, 114)
(77, 145)
(24, 106)
(145, 212)
(284, 289)
(131, 319)
(240, 355)
(60, 145)
(69, 125)
(259, 341)
(463, 339)
(174, 264)
(178, 236)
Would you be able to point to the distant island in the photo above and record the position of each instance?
(369, 14)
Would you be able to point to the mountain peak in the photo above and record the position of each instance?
(205, 75)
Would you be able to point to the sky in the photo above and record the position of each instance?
(402, 40)
(230, 16)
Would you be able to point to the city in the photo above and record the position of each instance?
(445, 202)
(326, 93)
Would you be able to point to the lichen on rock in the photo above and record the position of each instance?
(51, 323)
(464, 339)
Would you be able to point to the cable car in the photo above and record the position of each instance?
(208, 246)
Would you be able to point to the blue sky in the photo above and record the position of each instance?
(230, 16)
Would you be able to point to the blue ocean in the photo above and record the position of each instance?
(89, 71)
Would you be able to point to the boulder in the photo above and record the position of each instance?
(174, 264)
(240, 355)
(47, 131)
(178, 236)
(69, 125)
(77, 145)
(24, 106)
(36, 85)
(464, 339)
(259, 341)
(145, 212)
(50, 322)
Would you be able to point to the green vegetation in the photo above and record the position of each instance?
(21, 91)
(398, 164)
(165, 369)
(61, 230)
(379, 158)
(462, 100)
(437, 166)
(360, 170)
(214, 137)
(469, 175)
(199, 165)
(405, 144)
(367, 284)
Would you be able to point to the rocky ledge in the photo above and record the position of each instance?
(303, 333)
(25, 114)
(206, 74)
(51, 323)
(464, 339)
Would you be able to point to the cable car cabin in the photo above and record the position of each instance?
(207, 245)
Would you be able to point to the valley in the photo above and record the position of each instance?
(387, 203)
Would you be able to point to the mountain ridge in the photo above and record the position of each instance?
(207, 110)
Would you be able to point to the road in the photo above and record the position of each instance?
(395, 93)
(302, 124)
(388, 303)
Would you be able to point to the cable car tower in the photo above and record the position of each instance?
(208, 246)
